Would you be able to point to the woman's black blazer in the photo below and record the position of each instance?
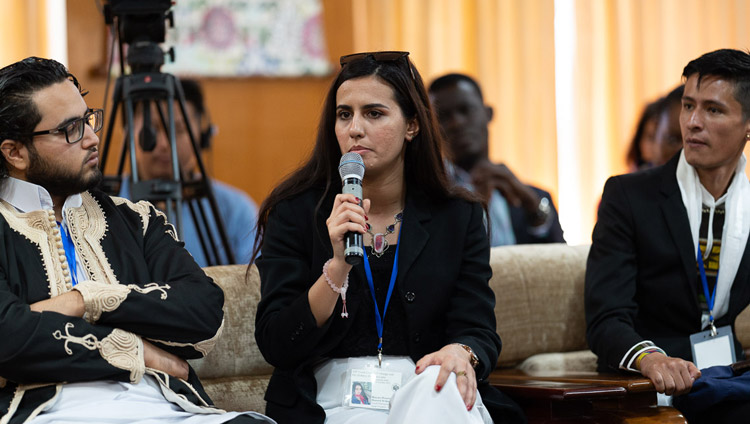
(442, 281)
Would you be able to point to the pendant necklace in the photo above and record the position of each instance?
(379, 243)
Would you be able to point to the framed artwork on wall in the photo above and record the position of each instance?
(235, 38)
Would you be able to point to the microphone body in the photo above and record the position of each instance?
(352, 170)
(353, 242)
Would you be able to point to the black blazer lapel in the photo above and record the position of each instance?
(678, 223)
(414, 235)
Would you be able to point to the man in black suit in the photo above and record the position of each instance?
(519, 213)
(644, 292)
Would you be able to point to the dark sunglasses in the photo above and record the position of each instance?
(384, 56)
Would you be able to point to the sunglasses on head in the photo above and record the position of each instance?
(383, 56)
(386, 56)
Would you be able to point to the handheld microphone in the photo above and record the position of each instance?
(352, 170)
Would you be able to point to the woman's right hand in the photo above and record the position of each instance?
(346, 215)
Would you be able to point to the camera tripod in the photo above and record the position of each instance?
(164, 89)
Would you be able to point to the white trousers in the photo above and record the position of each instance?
(113, 402)
(415, 402)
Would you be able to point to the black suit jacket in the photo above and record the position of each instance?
(442, 282)
(641, 275)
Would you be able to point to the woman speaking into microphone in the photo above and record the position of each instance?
(417, 328)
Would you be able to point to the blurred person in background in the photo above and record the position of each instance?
(237, 210)
(657, 137)
(668, 136)
(519, 213)
(641, 151)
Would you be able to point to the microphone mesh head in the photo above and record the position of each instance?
(351, 165)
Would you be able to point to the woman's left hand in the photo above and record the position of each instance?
(453, 359)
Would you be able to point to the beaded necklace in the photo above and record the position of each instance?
(379, 242)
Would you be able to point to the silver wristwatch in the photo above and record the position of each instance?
(543, 210)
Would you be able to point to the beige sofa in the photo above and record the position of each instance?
(539, 311)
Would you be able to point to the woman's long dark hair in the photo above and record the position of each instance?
(423, 161)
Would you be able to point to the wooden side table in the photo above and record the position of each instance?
(584, 397)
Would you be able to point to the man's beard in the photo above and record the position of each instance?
(57, 180)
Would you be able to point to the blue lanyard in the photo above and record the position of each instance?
(70, 252)
(378, 317)
(709, 299)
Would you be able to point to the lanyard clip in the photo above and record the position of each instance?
(380, 358)
(713, 328)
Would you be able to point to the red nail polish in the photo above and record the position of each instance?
(437, 388)
(417, 369)
(366, 218)
(357, 199)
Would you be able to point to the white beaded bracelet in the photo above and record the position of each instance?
(340, 290)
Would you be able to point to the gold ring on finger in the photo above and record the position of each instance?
(461, 374)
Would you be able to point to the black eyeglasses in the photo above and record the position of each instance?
(384, 56)
(75, 129)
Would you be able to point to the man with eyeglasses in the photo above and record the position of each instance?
(100, 305)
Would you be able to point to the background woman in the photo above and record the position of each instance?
(439, 305)
(642, 148)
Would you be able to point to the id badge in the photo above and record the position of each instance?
(709, 351)
(370, 386)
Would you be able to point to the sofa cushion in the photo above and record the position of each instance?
(539, 299)
(580, 360)
(236, 353)
(243, 393)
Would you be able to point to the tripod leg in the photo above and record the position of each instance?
(203, 230)
(204, 181)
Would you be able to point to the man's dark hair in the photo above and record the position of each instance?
(451, 80)
(18, 83)
(730, 64)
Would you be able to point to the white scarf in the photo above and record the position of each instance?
(736, 224)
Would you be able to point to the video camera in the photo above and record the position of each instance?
(141, 25)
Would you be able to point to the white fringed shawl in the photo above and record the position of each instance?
(736, 223)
